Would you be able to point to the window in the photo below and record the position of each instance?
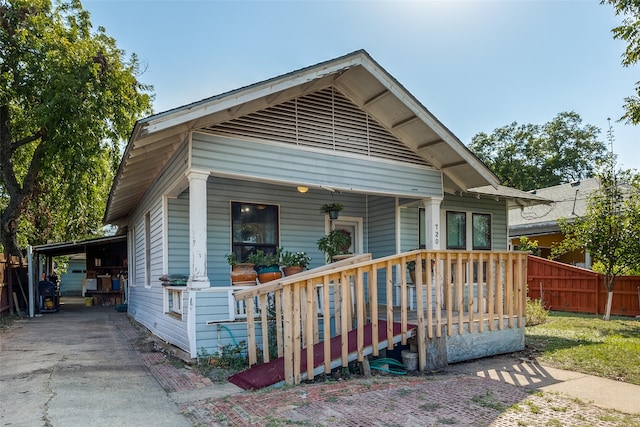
(456, 230)
(481, 231)
(253, 227)
(173, 300)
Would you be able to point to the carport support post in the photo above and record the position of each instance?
(198, 229)
(32, 274)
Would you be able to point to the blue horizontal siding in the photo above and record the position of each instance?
(267, 161)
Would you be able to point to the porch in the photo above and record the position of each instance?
(464, 298)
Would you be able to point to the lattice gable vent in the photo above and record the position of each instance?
(325, 120)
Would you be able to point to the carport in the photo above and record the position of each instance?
(106, 258)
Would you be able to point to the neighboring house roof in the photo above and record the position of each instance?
(569, 201)
(363, 81)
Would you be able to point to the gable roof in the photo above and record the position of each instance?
(364, 82)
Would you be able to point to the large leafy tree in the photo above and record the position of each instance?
(610, 228)
(536, 156)
(68, 98)
(629, 31)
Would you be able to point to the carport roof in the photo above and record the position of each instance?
(69, 248)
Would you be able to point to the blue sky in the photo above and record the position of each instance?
(476, 65)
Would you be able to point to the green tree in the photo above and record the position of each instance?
(629, 32)
(537, 156)
(526, 244)
(68, 100)
(610, 228)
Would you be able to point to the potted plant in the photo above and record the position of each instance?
(267, 265)
(411, 266)
(335, 243)
(242, 273)
(333, 209)
(294, 262)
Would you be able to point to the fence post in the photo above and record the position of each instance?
(9, 278)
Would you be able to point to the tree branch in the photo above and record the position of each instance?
(40, 134)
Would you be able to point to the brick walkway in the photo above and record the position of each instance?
(434, 400)
(403, 401)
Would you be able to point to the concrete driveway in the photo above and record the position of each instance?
(77, 368)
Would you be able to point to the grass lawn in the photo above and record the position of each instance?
(588, 344)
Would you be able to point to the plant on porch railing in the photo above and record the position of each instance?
(267, 264)
(242, 273)
(337, 242)
(294, 262)
(263, 260)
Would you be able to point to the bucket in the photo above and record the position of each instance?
(88, 302)
(410, 360)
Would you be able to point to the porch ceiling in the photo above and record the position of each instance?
(156, 139)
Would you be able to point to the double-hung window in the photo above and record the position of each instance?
(456, 230)
(254, 227)
(481, 231)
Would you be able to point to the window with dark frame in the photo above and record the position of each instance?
(456, 230)
(481, 231)
(254, 227)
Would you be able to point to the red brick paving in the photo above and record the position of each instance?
(172, 378)
(434, 400)
(403, 401)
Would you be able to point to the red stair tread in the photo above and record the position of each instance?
(266, 374)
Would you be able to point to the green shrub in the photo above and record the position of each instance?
(229, 357)
(536, 313)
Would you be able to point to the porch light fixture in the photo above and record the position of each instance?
(302, 189)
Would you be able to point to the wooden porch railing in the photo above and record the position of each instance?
(304, 309)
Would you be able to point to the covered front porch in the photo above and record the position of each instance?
(467, 304)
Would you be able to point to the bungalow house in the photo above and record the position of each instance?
(249, 170)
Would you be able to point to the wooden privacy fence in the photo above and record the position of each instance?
(563, 287)
(12, 276)
(456, 291)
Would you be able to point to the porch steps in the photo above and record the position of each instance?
(267, 374)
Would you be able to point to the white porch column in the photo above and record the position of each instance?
(433, 231)
(198, 230)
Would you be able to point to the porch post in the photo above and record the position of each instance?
(198, 230)
(433, 231)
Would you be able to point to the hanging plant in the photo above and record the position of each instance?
(332, 209)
